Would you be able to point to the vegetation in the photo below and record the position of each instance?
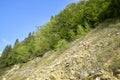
(74, 21)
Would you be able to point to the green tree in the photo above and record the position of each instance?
(16, 43)
(6, 51)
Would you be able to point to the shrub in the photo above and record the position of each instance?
(62, 45)
(80, 30)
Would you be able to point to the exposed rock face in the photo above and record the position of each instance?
(80, 62)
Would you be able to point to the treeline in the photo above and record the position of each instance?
(74, 21)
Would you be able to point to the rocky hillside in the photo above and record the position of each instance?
(95, 56)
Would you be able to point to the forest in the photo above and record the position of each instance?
(76, 20)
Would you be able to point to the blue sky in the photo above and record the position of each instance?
(19, 17)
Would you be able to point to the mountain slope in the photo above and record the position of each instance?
(95, 56)
(76, 20)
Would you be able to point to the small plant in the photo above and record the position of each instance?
(87, 27)
(62, 45)
(80, 30)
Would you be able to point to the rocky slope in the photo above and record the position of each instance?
(93, 57)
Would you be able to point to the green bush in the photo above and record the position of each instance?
(71, 35)
(62, 45)
(80, 30)
(87, 27)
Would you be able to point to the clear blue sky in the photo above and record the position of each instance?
(19, 17)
